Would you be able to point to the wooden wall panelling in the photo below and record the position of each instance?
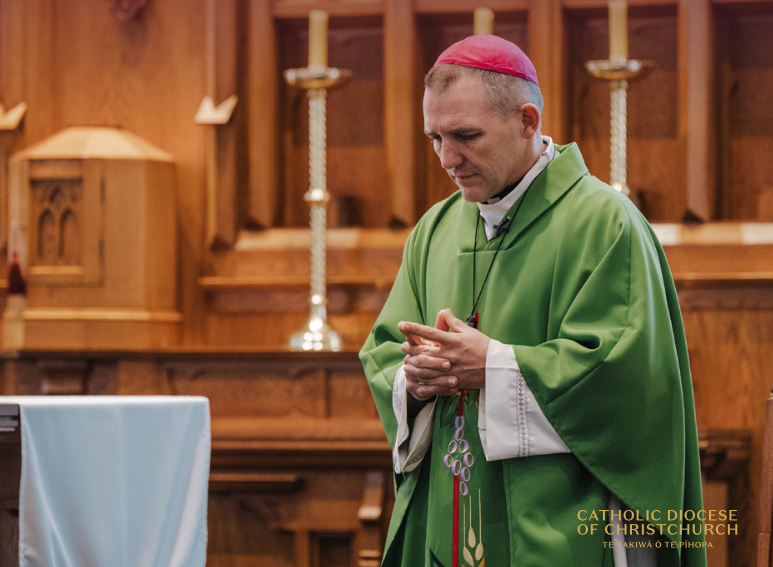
(141, 377)
(766, 489)
(748, 6)
(400, 111)
(585, 4)
(262, 109)
(223, 25)
(655, 155)
(725, 84)
(300, 514)
(12, 92)
(696, 106)
(466, 7)
(314, 524)
(40, 70)
(548, 53)
(63, 374)
(18, 207)
(250, 304)
(63, 377)
(730, 361)
(356, 155)
(725, 456)
(13, 44)
(327, 391)
(437, 31)
(238, 535)
(235, 322)
(746, 79)
(271, 399)
(266, 317)
(287, 9)
(371, 516)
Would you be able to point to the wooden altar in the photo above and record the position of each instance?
(307, 482)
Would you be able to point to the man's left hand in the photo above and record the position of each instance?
(465, 348)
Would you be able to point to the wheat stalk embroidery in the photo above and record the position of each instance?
(473, 544)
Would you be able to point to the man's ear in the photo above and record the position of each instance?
(530, 118)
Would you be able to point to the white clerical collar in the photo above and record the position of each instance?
(493, 211)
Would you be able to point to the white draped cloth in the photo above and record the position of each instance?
(118, 481)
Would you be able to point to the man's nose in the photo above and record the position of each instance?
(450, 156)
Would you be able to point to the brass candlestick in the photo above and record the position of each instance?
(618, 71)
(316, 80)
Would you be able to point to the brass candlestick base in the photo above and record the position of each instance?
(316, 80)
(618, 71)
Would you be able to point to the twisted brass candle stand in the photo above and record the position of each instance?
(316, 80)
(618, 71)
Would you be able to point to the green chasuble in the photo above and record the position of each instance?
(582, 291)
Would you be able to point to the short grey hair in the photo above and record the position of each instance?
(506, 93)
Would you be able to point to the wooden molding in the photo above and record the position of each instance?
(252, 482)
(457, 7)
(546, 47)
(725, 453)
(262, 103)
(711, 254)
(10, 119)
(64, 377)
(300, 8)
(399, 75)
(696, 104)
(221, 152)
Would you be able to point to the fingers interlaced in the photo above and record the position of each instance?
(429, 333)
(424, 374)
(416, 350)
(425, 388)
(428, 362)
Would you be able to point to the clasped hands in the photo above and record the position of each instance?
(440, 362)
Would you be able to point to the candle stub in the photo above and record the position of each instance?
(618, 29)
(484, 21)
(317, 38)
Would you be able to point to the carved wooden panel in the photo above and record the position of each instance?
(64, 222)
(278, 388)
(55, 210)
(317, 522)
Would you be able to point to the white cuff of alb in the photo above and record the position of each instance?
(510, 420)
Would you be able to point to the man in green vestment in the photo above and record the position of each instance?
(556, 425)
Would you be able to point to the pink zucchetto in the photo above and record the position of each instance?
(489, 52)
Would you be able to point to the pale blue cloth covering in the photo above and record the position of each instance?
(113, 481)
